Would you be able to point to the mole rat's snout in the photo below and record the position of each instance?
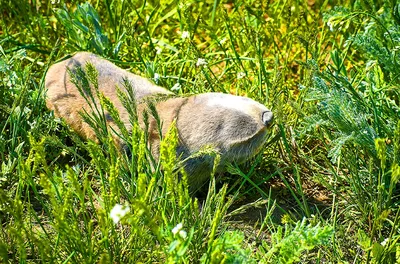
(267, 118)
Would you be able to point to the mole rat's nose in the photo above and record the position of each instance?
(267, 118)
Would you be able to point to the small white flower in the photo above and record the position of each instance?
(158, 50)
(156, 77)
(185, 35)
(241, 75)
(177, 86)
(384, 242)
(330, 25)
(201, 62)
(183, 234)
(177, 228)
(118, 212)
(222, 41)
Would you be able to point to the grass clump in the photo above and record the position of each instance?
(357, 114)
(288, 244)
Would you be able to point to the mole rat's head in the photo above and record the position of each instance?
(234, 126)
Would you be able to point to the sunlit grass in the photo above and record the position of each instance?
(330, 75)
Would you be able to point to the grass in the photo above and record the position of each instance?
(327, 180)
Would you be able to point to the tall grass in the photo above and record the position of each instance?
(357, 116)
(329, 74)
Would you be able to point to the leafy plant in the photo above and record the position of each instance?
(288, 243)
(356, 112)
(85, 31)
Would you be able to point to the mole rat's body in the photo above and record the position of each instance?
(234, 126)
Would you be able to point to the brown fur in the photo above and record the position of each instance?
(234, 126)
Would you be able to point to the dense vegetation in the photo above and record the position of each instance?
(324, 189)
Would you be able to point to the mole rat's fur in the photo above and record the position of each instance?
(234, 126)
